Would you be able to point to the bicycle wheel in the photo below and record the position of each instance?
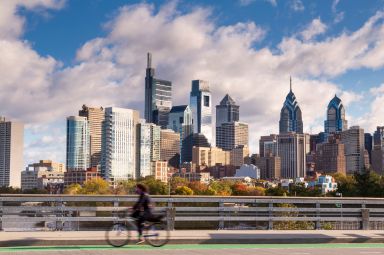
(118, 235)
(156, 234)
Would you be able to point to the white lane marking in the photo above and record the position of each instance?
(371, 252)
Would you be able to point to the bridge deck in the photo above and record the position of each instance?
(9, 239)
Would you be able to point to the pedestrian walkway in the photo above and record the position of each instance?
(205, 249)
(12, 239)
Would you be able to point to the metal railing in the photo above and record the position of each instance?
(41, 212)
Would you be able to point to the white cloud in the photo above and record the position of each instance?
(297, 5)
(185, 46)
(339, 16)
(316, 27)
(248, 2)
(374, 117)
(11, 23)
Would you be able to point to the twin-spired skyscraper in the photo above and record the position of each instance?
(290, 115)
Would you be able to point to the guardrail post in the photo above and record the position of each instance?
(365, 219)
(1, 215)
(318, 223)
(221, 214)
(115, 212)
(59, 224)
(270, 215)
(171, 214)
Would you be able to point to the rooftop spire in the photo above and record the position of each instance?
(149, 60)
(290, 83)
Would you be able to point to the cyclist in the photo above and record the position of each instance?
(142, 210)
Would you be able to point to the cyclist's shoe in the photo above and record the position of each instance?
(140, 241)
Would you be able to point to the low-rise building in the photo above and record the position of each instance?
(161, 170)
(79, 177)
(251, 171)
(203, 177)
(326, 183)
(43, 175)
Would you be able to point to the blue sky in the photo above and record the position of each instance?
(93, 52)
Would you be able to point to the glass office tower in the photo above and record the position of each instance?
(201, 106)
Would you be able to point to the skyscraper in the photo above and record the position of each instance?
(353, 140)
(158, 97)
(378, 151)
(336, 121)
(170, 147)
(11, 152)
(290, 115)
(368, 144)
(227, 111)
(78, 144)
(149, 150)
(292, 150)
(201, 106)
(180, 120)
(231, 135)
(95, 117)
(268, 145)
(330, 156)
(119, 144)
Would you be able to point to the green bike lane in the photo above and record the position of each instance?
(195, 247)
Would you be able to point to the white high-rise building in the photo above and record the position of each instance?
(201, 106)
(119, 144)
(149, 150)
(11, 152)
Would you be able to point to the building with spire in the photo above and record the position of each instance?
(158, 97)
(290, 115)
(227, 111)
(336, 121)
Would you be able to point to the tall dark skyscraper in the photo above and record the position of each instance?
(158, 97)
(290, 115)
(336, 121)
(378, 150)
(227, 111)
(368, 144)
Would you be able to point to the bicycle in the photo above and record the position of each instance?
(155, 232)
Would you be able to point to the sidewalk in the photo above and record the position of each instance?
(8, 239)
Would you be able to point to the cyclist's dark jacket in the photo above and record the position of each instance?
(142, 206)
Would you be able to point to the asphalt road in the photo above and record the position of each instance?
(286, 249)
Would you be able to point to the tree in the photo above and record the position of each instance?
(222, 188)
(156, 187)
(346, 185)
(239, 189)
(73, 189)
(184, 190)
(125, 187)
(300, 190)
(177, 182)
(255, 191)
(276, 191)
(9, 190)
(95, 186)
(368, 184)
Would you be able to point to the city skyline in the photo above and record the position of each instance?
(255, 70)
